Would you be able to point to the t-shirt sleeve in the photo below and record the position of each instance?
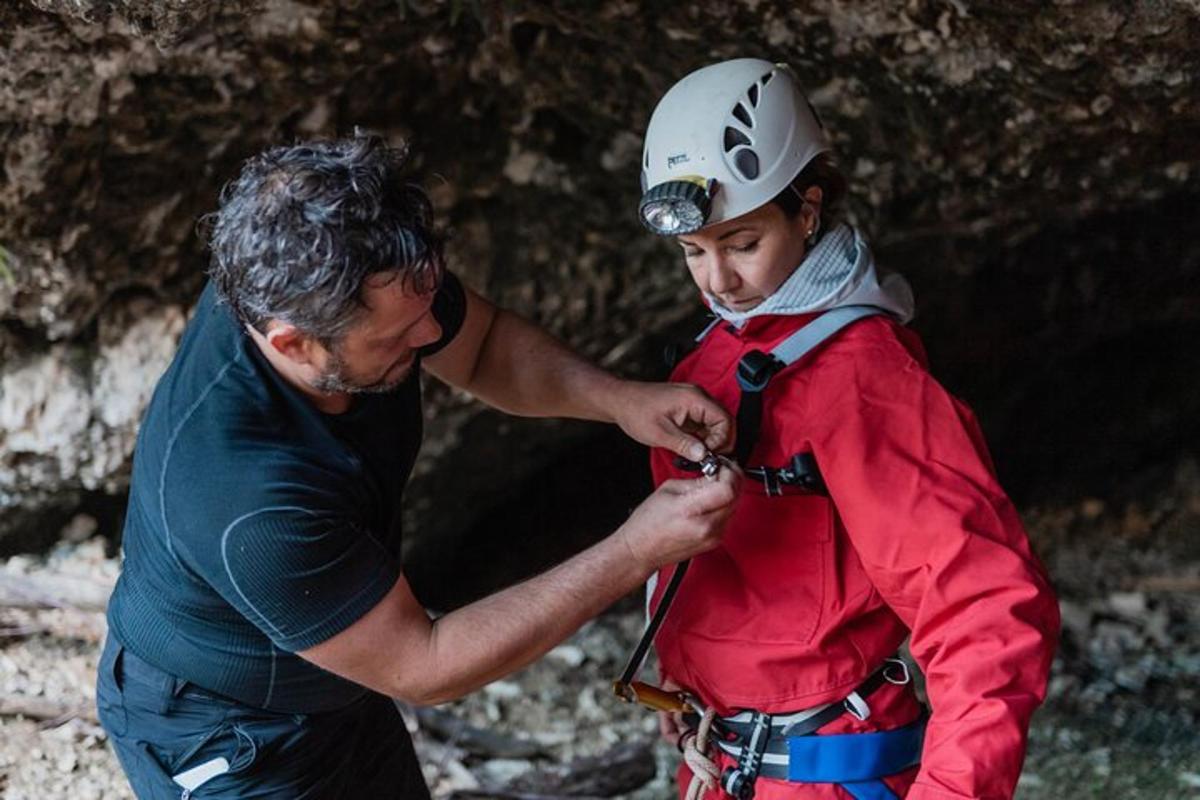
(301, 577)
(449, 309)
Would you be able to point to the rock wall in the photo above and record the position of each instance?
(1033, 166)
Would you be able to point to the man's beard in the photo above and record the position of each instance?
(334, 380)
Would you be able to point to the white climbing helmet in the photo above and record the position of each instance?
(723, 141)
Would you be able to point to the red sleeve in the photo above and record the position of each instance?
(909, 473)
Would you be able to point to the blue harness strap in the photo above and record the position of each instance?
(856, 761)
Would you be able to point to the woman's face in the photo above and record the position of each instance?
(742, 261)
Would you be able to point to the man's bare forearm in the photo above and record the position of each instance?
(525, 371)
(397, 650)
(506, 631)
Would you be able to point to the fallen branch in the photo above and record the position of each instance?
(9, 633)
(59, 623)
(49, 712)
(51, 590)
(616, 773)
(477, 741)
(1170, 583)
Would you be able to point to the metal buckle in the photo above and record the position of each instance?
(890, 664)
(710, 465)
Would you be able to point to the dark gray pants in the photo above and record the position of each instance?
(161, 726)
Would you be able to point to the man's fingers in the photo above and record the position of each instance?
(710, 495)
(706, 419)
(676, 486)
(690, 447)
(668, 728)
(719, 436)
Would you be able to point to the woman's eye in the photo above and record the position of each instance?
(749, 247)
(691, 253)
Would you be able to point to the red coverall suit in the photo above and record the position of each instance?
(807, 594)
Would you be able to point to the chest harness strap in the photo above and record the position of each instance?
(756, 368)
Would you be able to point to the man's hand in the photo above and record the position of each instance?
(670, 723)
(682, 518)
(677, 416)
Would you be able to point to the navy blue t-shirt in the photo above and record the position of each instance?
(257, 525)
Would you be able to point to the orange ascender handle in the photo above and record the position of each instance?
(652, 696)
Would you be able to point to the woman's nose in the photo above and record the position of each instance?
(721, 278)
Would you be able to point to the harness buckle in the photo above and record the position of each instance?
(806, 474)
(738, 781)
(890, 665)
(755, 369)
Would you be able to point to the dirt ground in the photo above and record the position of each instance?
(1120, 720)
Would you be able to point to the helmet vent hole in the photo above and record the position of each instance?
(765, 79)
(746, 163)
(752, 93)
(743, 115)
(733, 138)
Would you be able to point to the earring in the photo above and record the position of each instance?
(811, 238)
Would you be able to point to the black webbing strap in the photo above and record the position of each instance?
(820, 720)
(643, 646)
(754, 372)
(756, 368)
(739, 732)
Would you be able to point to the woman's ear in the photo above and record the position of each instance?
(813, 197)
(810, 213)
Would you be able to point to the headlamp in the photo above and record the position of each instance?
(679, 206)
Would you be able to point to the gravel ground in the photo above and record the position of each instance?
(1120, 722)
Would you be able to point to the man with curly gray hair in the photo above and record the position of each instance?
(262, 624)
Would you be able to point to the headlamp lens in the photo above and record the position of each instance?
(670, 217)
(675, 207)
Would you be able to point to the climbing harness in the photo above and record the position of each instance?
(785, 747)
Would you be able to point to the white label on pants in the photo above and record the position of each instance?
(196, 777)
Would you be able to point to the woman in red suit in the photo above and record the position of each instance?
(871, 511)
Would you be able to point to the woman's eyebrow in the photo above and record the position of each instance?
(727, 234)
